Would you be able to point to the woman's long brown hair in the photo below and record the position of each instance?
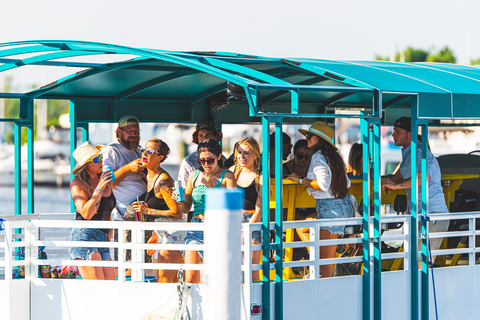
(338, 186)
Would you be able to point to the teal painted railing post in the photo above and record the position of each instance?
(425, 239)
(364, 129)
(278, 246)
(265, 218)
(31, 153)
(414, 213)
(17, 130)
(73, 142)
(377, 222)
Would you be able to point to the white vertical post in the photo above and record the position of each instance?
(223, 257)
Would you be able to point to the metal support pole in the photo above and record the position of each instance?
(414, 214)
(278, 219)
(377, 223)
(425, 239)
(73, 142)
(17, 129)
(364, 128)
(266, 219)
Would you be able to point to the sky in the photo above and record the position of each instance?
(339, 29)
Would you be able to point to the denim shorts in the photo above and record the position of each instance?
(88, 234)
(195, 237)
(333, 208)
(256, 235)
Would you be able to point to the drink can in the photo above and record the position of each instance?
(179, 191)
(107, 167)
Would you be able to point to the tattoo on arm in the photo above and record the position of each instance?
(165, 185)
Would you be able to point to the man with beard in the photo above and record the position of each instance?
(125, 158)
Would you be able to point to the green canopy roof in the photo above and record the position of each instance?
(166, 86)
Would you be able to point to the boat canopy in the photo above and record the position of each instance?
(169, 86)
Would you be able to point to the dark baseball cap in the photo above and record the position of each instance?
(404, 123)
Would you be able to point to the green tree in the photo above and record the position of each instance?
(408, 55)
(445, 55)
(474, 62)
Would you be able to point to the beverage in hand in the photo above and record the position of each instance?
(109, 168)
(179, 191)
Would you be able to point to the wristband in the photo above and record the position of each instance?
(301, 180)
(99, 190)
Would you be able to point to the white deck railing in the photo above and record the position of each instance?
(52, 232)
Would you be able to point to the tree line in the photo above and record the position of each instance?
(411, 54)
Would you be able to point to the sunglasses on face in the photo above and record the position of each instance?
(97, 159)
(302, 156)
(208, 161)
(131, 131)
(308, 135)
(150, 151)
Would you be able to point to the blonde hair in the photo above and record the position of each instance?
(82, 175)
(254, 147)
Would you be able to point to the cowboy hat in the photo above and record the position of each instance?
(85, 153)
(322, 130)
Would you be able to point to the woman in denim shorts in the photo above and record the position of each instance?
(160, 205)
(94, 200)
(247, 175)
(210, 175)
(327, 181)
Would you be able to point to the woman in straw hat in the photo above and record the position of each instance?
(94, 200)
(327, 181)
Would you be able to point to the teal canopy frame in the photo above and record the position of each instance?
(170, 86)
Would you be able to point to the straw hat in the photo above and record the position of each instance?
(322, 130)
(85, 153)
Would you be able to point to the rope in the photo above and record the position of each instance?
(182, 290)
(426, 218)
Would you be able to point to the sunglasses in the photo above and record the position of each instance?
(208, 161)
(151, 151)
(302, 156)
(308, 135)
(131, 131)
(96, 159)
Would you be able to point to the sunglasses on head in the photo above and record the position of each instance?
(150, 151)
(208, 161)
(302, 156)
(96, 159)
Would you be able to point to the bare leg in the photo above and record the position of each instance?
(166, 256)
(304, 233)
(93, 273)
(327, 252)
(192, 257)
(256, 256)
(109, 272)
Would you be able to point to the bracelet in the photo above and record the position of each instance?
(301, 180)
(99, 190)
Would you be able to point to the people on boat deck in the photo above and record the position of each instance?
(355, 162)
(159, 204)
(402, 178)
(327, 181)
(247, 174)
(286, 150)
(204, 130)
(299, 164)
(94, 200)
(211, 174)
(124, 156)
